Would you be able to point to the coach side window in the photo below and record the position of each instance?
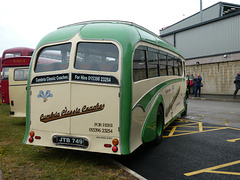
(149, 62)
(153, 63)
(139, 64)
(163, 63)
(170, 65)
(179, 62)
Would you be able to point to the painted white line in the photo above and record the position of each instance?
(128, 170)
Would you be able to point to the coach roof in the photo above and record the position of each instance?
(121, 31)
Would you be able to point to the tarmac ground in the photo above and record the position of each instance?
(210, 97)
(216, 97)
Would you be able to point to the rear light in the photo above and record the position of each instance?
(12, 103)
(30, 139)
(114, 145)
(115, 142)
(32, 133)
(37, 137)
(107, 145)
(114, 148)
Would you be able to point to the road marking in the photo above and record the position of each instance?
(233, 140)
(172, 131)
(193, 127)
(225, 172)
(194, 132)
(190, 127)
(211, 170)
(226, 122)
(200, 127)
(234, 128)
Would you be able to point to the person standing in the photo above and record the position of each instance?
(192, 84)
(237, 83)
(188, 83)
(198, 81)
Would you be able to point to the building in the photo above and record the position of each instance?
(211, 46)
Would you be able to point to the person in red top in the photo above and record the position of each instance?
(191, 83)
(188, 83)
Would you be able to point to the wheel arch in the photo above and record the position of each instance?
(150, 126)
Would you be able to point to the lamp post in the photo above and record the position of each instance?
(201, 18)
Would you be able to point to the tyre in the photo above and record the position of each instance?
(185, 106)
(159, 125)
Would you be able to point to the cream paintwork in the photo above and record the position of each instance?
(140, 88)
(57, 103)
(17, 94)
(72, 95)
(90, 94)
(139, 116)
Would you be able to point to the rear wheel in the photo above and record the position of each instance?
(185, 106)
(159, 125)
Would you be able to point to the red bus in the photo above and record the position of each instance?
(17, 51)
(0, 78)
(14, 57)
(0, 67)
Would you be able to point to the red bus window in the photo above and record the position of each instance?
(5, 72)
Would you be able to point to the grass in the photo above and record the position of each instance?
(20, 161)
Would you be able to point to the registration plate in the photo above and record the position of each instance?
(70, 141)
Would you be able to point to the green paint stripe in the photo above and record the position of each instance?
(147, 98)
(27, 103)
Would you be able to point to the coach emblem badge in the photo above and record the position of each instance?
(45, 96)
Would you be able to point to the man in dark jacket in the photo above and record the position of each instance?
(198, 85)
(237, 82)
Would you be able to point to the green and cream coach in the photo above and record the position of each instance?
(103, 86)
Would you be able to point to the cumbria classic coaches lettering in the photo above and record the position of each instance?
(67, 113)
(50, 78)
(172, 101)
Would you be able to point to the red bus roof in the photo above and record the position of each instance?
(22, 51)
(16, 61)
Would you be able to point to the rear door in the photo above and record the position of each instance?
(18, 90)
(50, 90)
(95, 91)
(98, 107)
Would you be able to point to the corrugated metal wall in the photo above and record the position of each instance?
(208, 14)
(210, 39)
